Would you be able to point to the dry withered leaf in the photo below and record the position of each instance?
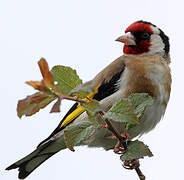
(38, 85)
(56, 106)
(48, 79)
(32, 104)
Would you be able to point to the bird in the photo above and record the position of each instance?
(143, 68)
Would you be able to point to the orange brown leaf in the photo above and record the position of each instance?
(38, 85)
(48, 79)
(32, 104)
(56, 106)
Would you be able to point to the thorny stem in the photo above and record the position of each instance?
(123, 142)
(115, 132)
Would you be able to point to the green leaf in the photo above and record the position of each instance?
(92, 106)
(140, 101)
(83, 90)
(122, 111)
(32, 104)
(93, 117)
(136, 150)
(66, 79)
(78, 133)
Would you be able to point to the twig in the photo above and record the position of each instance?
(115, 132)
(75, 98)
(121, 139)
(123, 142)
(140, 174)
(138, 171)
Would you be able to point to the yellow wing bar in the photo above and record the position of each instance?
(79, 110)
(73, 115)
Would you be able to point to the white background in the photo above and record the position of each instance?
(81, 34)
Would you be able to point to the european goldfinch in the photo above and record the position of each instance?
(143, 68)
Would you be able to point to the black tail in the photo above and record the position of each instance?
(44, 151)
(29, 163)
(59, 128)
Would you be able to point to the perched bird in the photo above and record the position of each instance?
(143, 68)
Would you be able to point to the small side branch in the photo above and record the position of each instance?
(75, 98)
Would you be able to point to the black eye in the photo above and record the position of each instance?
(145, 35)
(141, 36)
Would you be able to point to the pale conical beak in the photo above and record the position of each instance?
(128, 39)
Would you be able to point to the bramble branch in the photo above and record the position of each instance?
(133, 164)
(115, 132)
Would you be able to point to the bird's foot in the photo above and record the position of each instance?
(118, 149)
(121, 144)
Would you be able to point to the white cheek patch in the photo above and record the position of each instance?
(155, 30)
(157, 45)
